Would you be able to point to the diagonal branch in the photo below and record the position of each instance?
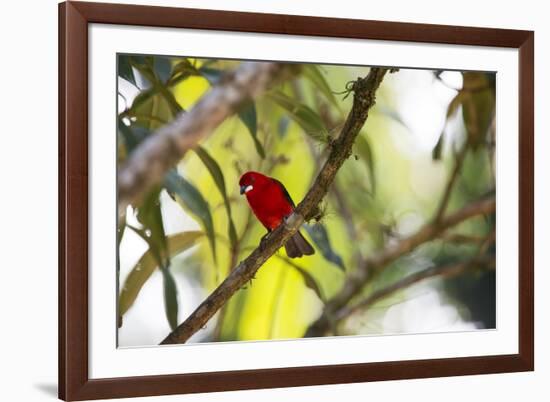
(340, 149)
(451, 182)
(151, 160)
(447, 270)
(356, 280)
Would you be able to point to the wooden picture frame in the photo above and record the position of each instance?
(74, 381)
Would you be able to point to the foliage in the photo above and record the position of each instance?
(284, 133)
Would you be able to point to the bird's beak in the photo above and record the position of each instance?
(246, 189)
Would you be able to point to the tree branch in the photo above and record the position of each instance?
(357, 279)
(448, 270)
(149, 163)
(340, 149)
(459, 160)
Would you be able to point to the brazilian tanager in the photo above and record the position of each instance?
(271, 203)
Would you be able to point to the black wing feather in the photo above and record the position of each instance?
(285, 192)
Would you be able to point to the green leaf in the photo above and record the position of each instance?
(175, 107)
(152, 109)
(147, 264)
(219, 180)
(144, 65)
(149, 215)
(170, 298)
(319, 235)
(212, 75)
(314, 74)
(158, 70)
(184, 66)
(436, 151)
(309, 280)
(303, 115)
(394, 115)
(163, 68)
(192, 200)
(120, 234)
(142, 98)
(282, 126)
(130, 141)
(181, 71)
(455, 103)
(452, 108)
(132, 135)
(125, 69)
(248, 116)
(478, 106)
(364, 151)
(477, 99)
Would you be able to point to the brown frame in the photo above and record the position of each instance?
(74, 17)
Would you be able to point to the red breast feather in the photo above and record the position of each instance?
(269, 203)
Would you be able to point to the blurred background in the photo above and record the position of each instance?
(186, 236)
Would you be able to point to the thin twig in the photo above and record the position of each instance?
(340, 149)
(459, 160)
(448, 270)
(357, 279)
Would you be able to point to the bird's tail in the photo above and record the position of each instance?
(297, 246)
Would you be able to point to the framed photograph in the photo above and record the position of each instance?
(259, 200)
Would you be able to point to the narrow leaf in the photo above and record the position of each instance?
(158, 70)
(314, 74)
(142, 98)
(147, 264)
(151, 109)
(163, 68)
(144, 66)
(309, 281)
(303, 115)
(319, 235)
(175, 107)
(184, 67)
(138, 60)
(219, 180)
(394, 115)
(282, 126)
(436, 151)
(452, 108)
(125, 69)
(193, 200)
(170, 298)
(478, 106)
(130, 142)
(149, 215)
(248, 116)
(363, 149)
(455, 103)
(132, 135)
(213, 75)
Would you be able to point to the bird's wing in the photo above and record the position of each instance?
(285, 192)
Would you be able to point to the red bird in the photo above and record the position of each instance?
(271, 203)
